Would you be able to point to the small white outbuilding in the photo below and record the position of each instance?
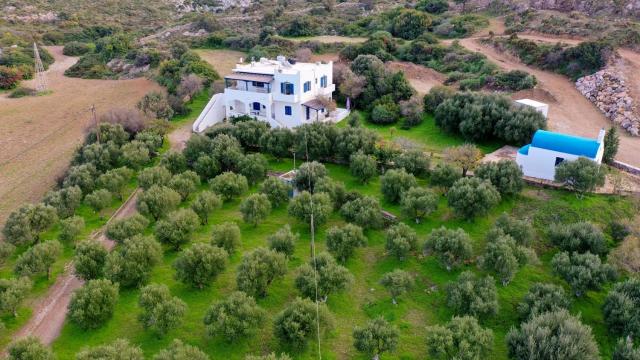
(538, 106)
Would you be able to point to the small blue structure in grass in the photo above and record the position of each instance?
(548, 149)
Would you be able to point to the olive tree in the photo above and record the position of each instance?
(397, 282)
(12, 292)
(276, 190)
(335, 189)
(308, 174)
(70, 228)
(161, 312)
(115, 180)
(135, 154)
(504, 257)
(99, 199)
(552, 335)
(65, 200)
(296, 324)
(305, 206)
(625, 350)
(582, 271)
(520, 230)
(24, 225)
(204, 204)
(229, 185)
(460, 338)
(278, 142)
(394, 183)
(322, 276)
(89, 259)
(505, 175)
(283, 241)
(471, 295)
(121, 229)
(258, 269)
(579, 237)
(200, 264)
(470, 197)
(465, 157)
(157, 201)
(444, 175)
(255, 208)
(451, 247)
(620, 309)
(418, 202)
(130, 263)
(271, 356)
(185, 183)
(178, 227)
(38, 259)
(227, 236)
(363, 211)
(174, 161)
(400, 240)
(341, 241)
(235, 317)
(180, 351)
(413, 161)
(28, 348)
(376, 337)
(581, 175)
(119, 349)
(93, 304)
(254, 167)
(542, 298)
(363, 167)
(157, 175)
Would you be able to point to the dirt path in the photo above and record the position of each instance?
(39, 134)
(51, 311)
(420, 77)
(178, 137)
(572, 112)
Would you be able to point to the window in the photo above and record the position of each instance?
(286, 88)
(256, 106)
(307, 86)
(257, 84)
(287, 110)
(559, 160)
(323, 81)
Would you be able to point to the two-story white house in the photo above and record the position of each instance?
(548, 149)
(282, 92)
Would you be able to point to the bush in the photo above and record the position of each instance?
(155, 105)
(20, 92)
(433, 6)
(385, 113)
(514, 80)
(75, 48)
(9, 77)
(178, 350)
(93, 304)
(410, 24)
(552, 335)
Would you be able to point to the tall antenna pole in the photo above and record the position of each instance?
(41, 78)
(95, 121)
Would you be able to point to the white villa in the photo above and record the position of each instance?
(548, 149)
(282, 92)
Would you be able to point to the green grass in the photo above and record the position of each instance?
(426, 134)
(423, 306)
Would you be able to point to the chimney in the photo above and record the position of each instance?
(601, 135)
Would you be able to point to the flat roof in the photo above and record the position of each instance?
(270, 67)
(250, 77)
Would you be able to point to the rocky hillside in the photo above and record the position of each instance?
(593, 7)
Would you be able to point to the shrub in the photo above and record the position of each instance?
(20, 92)
(155, 105)
(9, 77)
(385, 113)
(178, 350)
(611, 143)
(514, 80)
(75, 48)
(410, 24)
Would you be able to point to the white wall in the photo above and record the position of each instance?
(540, 163)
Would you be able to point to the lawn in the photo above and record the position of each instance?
(366, 299)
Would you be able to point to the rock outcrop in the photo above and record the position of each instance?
(608, 91)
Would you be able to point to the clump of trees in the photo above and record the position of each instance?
(235, 317)
(451, 247)
(555, 334)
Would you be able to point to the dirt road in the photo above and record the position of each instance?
(39, 134)
(50, 312)
(571, 112)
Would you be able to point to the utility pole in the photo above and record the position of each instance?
(95, 121)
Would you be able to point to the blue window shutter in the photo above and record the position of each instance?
(287, 110)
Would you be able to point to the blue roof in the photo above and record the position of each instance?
(524, 150)
(564, 143)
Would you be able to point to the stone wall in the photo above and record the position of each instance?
(608, 91)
